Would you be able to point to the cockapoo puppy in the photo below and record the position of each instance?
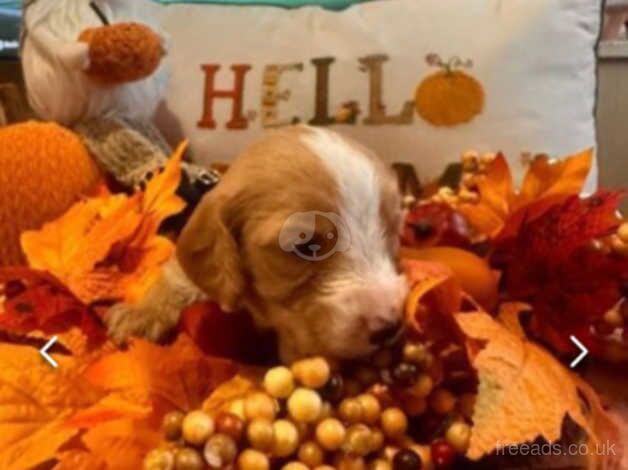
(302, 232)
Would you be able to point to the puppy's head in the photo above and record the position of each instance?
(303, 232)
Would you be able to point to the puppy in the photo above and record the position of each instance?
(302, 232)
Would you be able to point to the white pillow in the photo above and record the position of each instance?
(530, 87)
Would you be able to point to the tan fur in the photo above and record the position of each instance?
(229, 247)
(233, 248)
(261, 189)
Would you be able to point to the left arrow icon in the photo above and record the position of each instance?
(44, 352)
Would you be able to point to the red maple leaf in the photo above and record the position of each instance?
(36, 300)
(227, 335)
(548, 261)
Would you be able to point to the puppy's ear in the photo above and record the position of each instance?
(208, 252)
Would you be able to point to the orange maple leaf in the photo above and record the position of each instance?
(524, 393)
(544, 180)
(35, 400)
(121, 444)
(433, 288)
(107, 248)
(178, 376)
(77, 459)
(236, 387)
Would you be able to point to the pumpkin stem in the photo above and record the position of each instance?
(456, 62)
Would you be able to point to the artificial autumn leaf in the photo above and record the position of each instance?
(111, 408)
(229, 335)
(548, 262)
(35, 401)
(434, 297)
(36, 300)
(607, 432)
(232, 389)
(523, 394)
(545, 180)
(433, 289)
(107, 248)
(122, 444)
(79, 460)
(177, 377)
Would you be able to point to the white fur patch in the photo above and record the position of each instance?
(358, 181)
(367, 294)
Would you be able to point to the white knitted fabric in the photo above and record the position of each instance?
(54, 61)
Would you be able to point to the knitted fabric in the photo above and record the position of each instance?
(129, 151)
(132, 152)
(44, 169)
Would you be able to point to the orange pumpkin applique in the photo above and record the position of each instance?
(449, 96)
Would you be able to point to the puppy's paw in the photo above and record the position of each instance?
(125, 321)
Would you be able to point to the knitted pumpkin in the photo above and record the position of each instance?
(44, 169)
(122, 52)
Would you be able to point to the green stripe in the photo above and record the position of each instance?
(329, 4)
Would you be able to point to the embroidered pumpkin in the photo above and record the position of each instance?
(449, 96)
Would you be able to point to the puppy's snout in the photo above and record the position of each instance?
(387, 335)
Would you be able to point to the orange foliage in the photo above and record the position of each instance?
(107, 248)
(165, 377)
(545, 180)
(98, 411)
(36, 401)
(524, 392)
(472, 272)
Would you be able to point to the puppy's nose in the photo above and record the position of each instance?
(314, 247)
(387, 335)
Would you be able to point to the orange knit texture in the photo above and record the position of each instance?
(44, 169)
(122, 52)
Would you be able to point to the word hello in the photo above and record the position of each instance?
(372, 65)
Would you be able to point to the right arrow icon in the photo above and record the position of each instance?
(583, 352)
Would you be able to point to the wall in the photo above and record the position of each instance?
(612, 115)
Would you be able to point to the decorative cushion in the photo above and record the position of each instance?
(331, 4)
(418, 81)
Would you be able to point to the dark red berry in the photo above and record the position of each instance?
(14, 288)
(333, 390)
(427, 427)
(623, 288)
(404, 374)
(407, 459)
(435, 224)
(443, 454)
(423, 229)
(386, 376)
